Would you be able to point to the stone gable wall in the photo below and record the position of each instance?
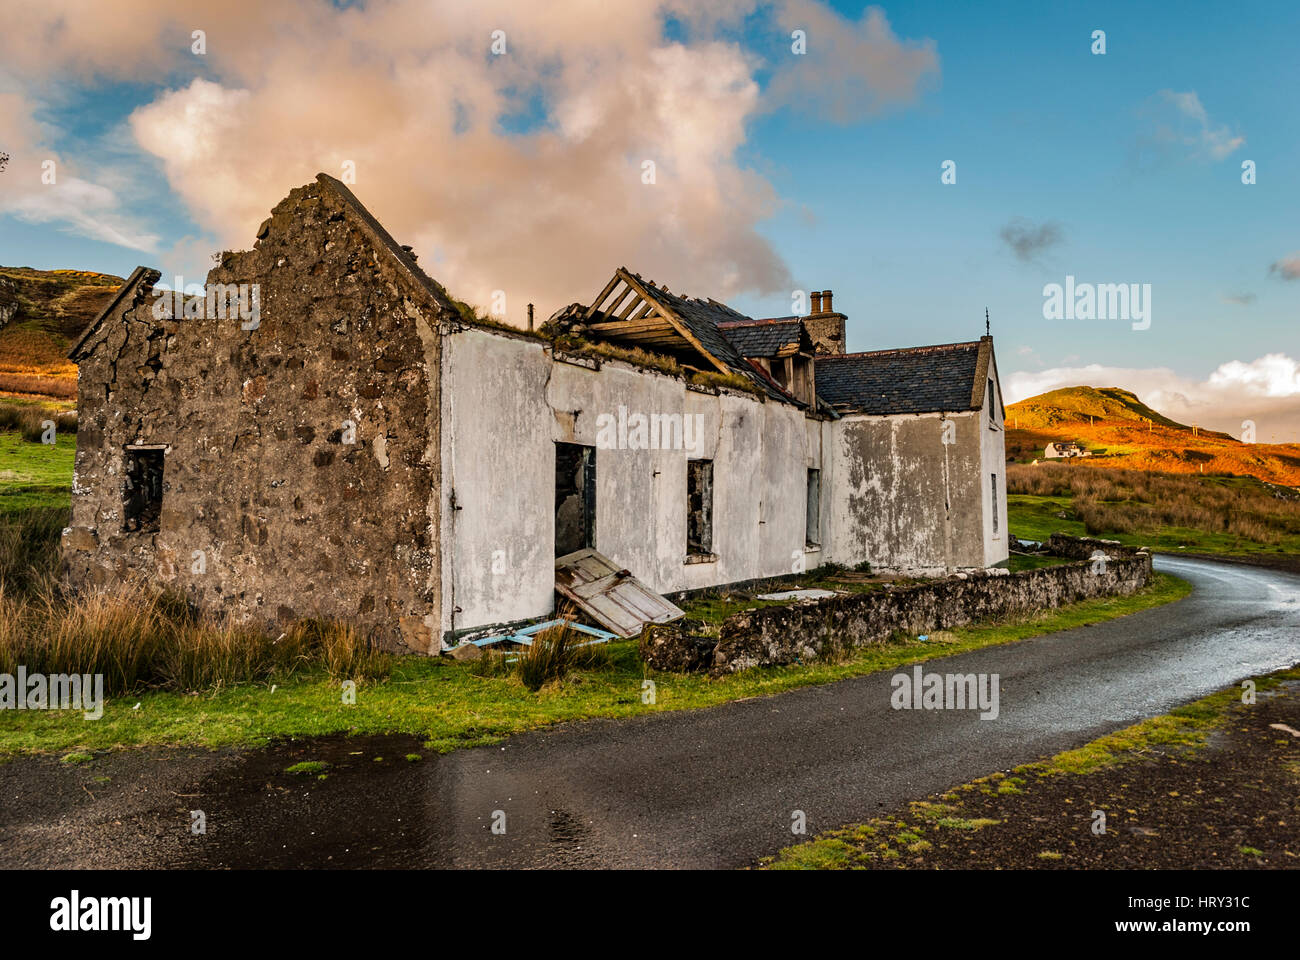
(268, 514)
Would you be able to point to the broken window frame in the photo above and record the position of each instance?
(994, 478)
(142, 495)
(699, 529)
(813, 510)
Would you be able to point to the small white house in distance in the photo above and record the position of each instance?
(1064, 449)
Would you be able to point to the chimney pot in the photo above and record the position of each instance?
(816, 301)
(826, 302)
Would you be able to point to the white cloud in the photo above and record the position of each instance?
(409, 92)
(73, 202)
(1265, 390)
(850, 70)
(1179, 123)
(84, 208)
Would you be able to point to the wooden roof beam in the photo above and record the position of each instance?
(609, 288)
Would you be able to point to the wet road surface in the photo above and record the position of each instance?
(708, 788)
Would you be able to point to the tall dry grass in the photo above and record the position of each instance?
(30, 420)
(140, 639)
(556, 651)
(63, 388)
(553, 654)
(1143, 501)
(29, 548)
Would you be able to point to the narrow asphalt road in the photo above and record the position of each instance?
(710, 788)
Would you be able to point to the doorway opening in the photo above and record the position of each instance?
(575, 497)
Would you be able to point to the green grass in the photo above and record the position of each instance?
(307, 768)
(35, 474)
(451, 706)
(883, 838)
(1034, 517)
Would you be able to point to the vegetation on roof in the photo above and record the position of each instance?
(726, 381)
(602, 350)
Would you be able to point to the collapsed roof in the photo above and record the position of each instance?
(704, 334)
(634, 312)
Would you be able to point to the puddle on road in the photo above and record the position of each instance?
(359, 802)
(369, 806)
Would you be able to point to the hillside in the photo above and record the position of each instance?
(41, 313)
(1081, 404)
(1122, 432)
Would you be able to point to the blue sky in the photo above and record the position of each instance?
(1042, 129)
(1132, 159)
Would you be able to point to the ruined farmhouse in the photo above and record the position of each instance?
(369, 449)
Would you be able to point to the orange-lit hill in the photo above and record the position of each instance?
(1123, 432)
(41, 313)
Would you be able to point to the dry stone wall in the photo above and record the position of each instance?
(799, 632)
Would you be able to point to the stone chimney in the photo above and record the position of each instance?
(824, 325)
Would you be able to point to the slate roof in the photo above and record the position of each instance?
(762, 338)
(913, 380)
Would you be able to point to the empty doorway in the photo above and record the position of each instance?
(575, 498)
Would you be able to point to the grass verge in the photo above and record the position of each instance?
(452, 705)
(1041, 808)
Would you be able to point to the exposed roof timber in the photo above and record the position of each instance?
(645, 310)
(624, 328)
(609, 288)
(667, 312)
(615, 303)
(631, 305)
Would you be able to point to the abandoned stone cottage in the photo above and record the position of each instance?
(369, 450)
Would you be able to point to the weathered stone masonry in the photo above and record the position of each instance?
(267, 511)
(779, 635)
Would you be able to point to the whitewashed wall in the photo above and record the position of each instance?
(993, 462)
(903, 499)
(506, 402)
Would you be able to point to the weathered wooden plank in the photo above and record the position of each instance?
(610, 595)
